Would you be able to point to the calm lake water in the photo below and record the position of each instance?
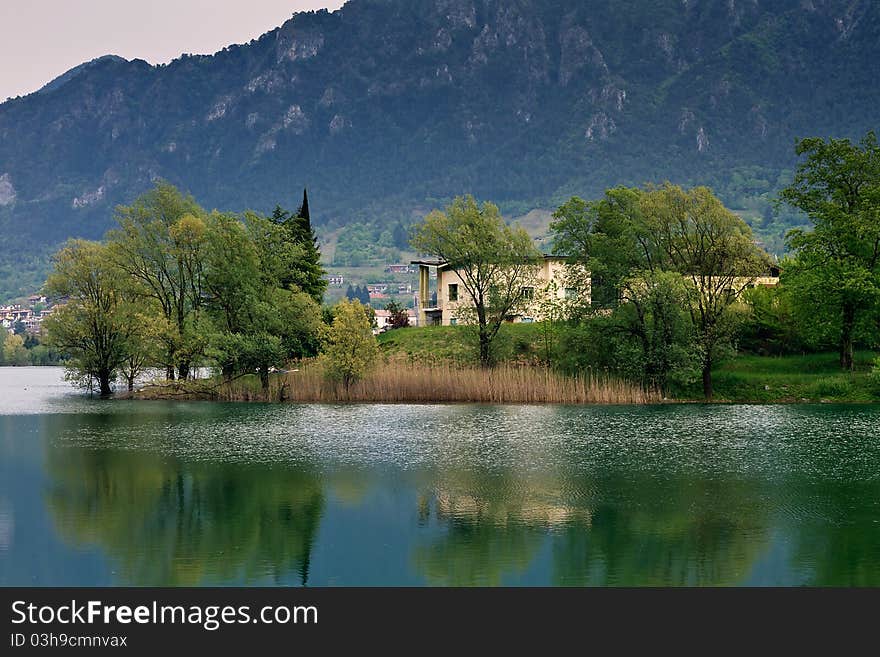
(155, 493)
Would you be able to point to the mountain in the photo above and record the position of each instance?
(386, 108)
(66, 77)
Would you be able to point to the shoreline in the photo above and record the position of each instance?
(401, 383)
(137, 396)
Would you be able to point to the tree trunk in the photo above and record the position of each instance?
(846, 336)
(183, 370)
(169, 372)
(707, 379)
(130, 380)
(104, 384)
(264, 377)
(485, 354)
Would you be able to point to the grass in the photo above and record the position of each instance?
(803, 378)
(434, 345)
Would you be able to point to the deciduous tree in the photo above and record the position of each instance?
(97, 325)
(837, 263)
(494, 261)
(350, 348)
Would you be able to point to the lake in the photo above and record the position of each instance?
(162, 493)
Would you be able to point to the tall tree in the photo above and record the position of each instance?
(636, 321)
(258, 323)
(97, 325)
(494, 261)
(303, 258)
(696, 236)
(159, 246)
(304, 214)
(837, 263)
(630, 238)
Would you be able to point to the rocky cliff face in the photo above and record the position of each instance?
(387, 106)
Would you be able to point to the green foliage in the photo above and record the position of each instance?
(834, 276)
(350, 349)
(874, 377)
(176, 287)
(14, 351)
(668, 267)
(493, 260)
(159, 248)
(297, 250)
(97, 326)
(362, 244)
(771, 327)
(358, 293)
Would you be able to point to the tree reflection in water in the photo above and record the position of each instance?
(635, 532)
(215, 495)
(173, 523)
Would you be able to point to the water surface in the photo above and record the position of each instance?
(162, 493)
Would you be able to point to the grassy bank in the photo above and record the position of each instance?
(807, 378)
(432, 345)
(416, 383)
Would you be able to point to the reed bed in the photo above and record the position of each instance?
(401, 382)
(415, 383)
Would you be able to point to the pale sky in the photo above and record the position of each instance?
(41, 39)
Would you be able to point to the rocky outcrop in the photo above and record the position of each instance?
(7, 191)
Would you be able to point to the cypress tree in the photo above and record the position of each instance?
(306, 271)
(303, 212)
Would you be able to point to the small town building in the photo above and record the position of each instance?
(441, 306)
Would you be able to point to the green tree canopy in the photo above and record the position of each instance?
(494, 261)
(350, 348)
(97, 325)
(630, 237)
(835, 275)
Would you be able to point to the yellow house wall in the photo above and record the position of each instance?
(550, 270)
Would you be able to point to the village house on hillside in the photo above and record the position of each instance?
(30, 317)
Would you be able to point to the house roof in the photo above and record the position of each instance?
(444, 263)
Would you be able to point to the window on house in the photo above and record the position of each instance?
(571, 293)
(528, 293)
(453, 322)
(453, 291)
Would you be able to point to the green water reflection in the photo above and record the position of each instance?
(176, 494)
(170, 525)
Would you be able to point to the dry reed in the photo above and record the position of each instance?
(397, 382)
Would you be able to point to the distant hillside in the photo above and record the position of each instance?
(386, 108)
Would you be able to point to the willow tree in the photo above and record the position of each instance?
(836, 268)
(159, 244)
(494, 261)
(96, 325)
